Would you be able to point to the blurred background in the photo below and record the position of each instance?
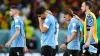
(27, 12)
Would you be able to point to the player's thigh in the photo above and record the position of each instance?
(46, 51)
(55, 51)
(67, 53)
(11, 53)
(19, 51)
(75, 52)
(98, 52)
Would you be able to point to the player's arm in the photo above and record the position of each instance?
(79, 19)
(15, 34)
(72, 36)
(73, 30)
(42, 28)
(89, 37)
(91, 24)
(90, 34)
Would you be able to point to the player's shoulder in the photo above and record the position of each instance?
(51, 17)
(46, 20)
(74, 20)
(90, 16)
(17, 19)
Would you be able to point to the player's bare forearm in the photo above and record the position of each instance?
(72, 37)
(79, 19)
(91, 33)
(15, 34)
(43, 29)
(40, 24)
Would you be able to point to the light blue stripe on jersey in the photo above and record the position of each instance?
(73, 26)
(19, 41)
(48, 38)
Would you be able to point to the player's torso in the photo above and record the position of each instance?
(19, 41)
(89, 22)
(74, 44)
(48, 38)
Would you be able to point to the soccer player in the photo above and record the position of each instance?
(47, 25)
(17, 41)
(56, 34)
(90, 36)
(73, 35)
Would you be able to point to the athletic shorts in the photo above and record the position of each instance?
(71, 52)
(47, 51)
(16, 51)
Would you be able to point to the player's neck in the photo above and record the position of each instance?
(70, 18)
(87, 12)
(46, 14)
(15, 15)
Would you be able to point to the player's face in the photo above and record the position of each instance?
(67, 17)
(83, 7)
(99, 13)
(13, 12)
(43, 16)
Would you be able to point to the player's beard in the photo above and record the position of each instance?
(84, 10)
(42, 18)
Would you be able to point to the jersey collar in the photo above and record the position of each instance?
(16, 17)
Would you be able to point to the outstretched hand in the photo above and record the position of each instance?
(25, 49)
(7, 44)
(75, 16)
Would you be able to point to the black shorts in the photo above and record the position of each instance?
(16, 51)
(98, 52)
(71, 52)
(47, 51)
(55, 50)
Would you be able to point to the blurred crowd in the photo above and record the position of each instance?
(28, 8)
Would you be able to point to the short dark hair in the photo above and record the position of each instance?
(14, 7)
(89, 4)
(68, 11)
(40, 10)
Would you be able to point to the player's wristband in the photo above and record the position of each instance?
(66, 43)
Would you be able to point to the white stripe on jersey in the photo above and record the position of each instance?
(56, 35)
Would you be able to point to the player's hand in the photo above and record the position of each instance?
(39, 18)
(75, 16)
(87, 44)
(7, 44)
(25, 49)
(63, 46)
